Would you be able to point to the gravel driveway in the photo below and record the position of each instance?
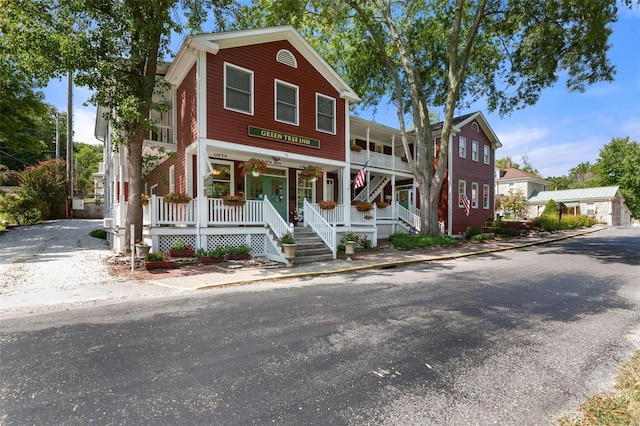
(56, 265)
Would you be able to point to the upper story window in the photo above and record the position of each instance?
(326, 114)
(474, 127)
(462, 147)
(485, 196)
(238, 93)
(486, 154)
(474, 151)
(286, 103)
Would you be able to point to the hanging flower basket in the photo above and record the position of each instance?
(364, 206)
(382, 204)
(327, 205)
(311, 173)
(144, 199)
(233, 200)
(177, 198)
(355, 148)
(254, 166)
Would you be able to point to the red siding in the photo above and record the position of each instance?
(471, 171)
(232, 126)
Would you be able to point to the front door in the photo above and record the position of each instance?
(403, 197)
(275, 189)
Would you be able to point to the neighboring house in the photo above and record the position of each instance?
(605, 204)
(267, 94)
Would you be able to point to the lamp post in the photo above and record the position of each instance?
(559, 207)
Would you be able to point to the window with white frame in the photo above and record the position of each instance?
(326, 114)
(462, 189)
(474, 150)
(485, 196)
(462, 147)
(238, 93)
(286, 103)
(486, 154)
(474, 127)
(591, 209)
(474, 195)
(305, 189)
(220, 181)
(154, 189)
(172, 179)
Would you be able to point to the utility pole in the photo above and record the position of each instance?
(57, 135)
(70, 143)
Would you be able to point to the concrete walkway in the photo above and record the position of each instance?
(375, 260)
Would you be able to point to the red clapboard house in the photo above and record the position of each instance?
(265, 97)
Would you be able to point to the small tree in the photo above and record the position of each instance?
(515, 202)
(46, 184)
(550, 209)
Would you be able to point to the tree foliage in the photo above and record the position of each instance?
(619, 164)
(114, 48)
(449, 54)
(46, 184)
(515, 201)
(87, 159)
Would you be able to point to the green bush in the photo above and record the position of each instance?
(506, 232)
(19, 209)
(550, 223)
(472, 232)
(215, 253)
(46, 184)
(550, 208)
(242, 249)
(483, 237)
(99, 233)
(404, 241)
(153, 257)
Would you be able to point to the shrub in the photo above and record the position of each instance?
(506, 232)
(180, 245)
(242, 249)
(472, 232)
(19, 209)
(550, 208)
(153, 257)
(99, 233)
(46, 184)
(288, 238)
(483, 237)
(404, 241)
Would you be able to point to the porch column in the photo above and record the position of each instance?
(346, 194)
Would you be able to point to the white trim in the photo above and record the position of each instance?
(201, 102)
(251, 83)
(275, 102)
(319, 95)
(172, 178)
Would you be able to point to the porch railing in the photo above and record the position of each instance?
(321, 227)
(410, 216)
(333, 216)
(363, 218)
(383, 161)
(251, 213)
(274, 221)
(173, 213)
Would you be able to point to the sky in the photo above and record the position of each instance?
(562, 130)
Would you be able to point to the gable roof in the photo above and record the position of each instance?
(214, 42)
(463, 120)
(517, 175)
(580, 194)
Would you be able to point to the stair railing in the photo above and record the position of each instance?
(321, 227)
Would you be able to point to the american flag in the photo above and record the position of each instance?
(360, 177)
(466, 203)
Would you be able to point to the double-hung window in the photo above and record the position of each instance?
(326, 114)
(474, 195)
(238, 93)
(474, 151)
(286, 103)
(485, 196)
(462, 147)
(486, 157)
(462, 189)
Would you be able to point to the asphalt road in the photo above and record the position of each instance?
(517, 337)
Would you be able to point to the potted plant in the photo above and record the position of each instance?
(177, 198)
(144, 199)
(157, 261)
(233, 200)
(289, 246)
(327, 205)
(211, 256)
(355, 147)
(142, 248)
(298, 215)
(254, 166)
(238, 252)
(311, 173)
(349, 240)
(181, 249)
(382, 204)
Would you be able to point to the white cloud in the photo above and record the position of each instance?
(84, 121)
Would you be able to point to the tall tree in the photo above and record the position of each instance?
(449, 53)
(619, 164)
(114, 48)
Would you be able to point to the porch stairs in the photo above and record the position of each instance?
(376, 185)
(310, 247)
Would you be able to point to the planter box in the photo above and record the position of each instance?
(159, 264)
(238, 256)
(210, 260)
(181, 253)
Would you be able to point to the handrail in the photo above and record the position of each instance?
(408, 216)
(321, 227)
(273, 220)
